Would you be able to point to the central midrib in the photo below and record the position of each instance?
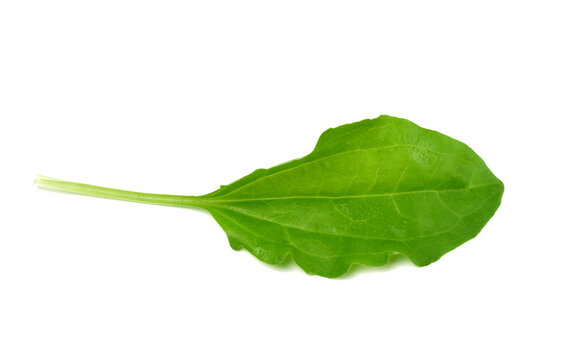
(402, 240)
(214, 200)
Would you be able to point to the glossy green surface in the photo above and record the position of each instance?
(369, 190)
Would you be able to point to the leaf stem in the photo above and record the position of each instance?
(116, 194)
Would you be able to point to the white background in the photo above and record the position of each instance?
(181, 97)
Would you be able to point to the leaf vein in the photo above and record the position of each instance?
(339, 154)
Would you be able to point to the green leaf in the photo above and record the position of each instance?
(369, 190)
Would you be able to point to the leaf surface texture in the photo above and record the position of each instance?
(369, 190)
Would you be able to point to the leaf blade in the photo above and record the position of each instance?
(368, 190)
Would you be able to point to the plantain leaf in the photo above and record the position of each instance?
(369, 190)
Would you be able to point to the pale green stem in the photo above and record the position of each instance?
(109, 193)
